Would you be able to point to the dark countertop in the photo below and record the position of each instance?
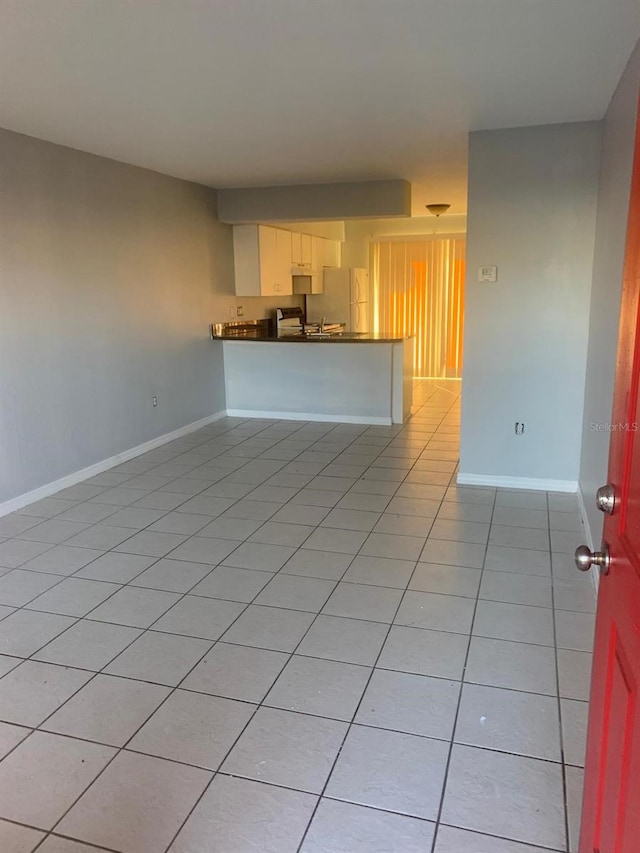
(340, 338)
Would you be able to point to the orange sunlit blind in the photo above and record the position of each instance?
(418, 289)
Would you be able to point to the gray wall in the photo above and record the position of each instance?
(109, 276)
(315, 201)
(613, 206)
(532, 206)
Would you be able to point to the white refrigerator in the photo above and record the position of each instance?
(345, 299)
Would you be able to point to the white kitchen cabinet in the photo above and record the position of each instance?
(314, 253)
(328, 253)
(282, 274)
(302, 249)
(262, 258)
(305, 244)
(296, 248)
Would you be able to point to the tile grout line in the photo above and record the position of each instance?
(315, 657)
(351, 722)
(166, 556)
(261, 705)
(452, 741)
(123, 748)
(28, 605)
(559, 706)
(120, 749)
(299, 547)
(257, 708)
(176, 687)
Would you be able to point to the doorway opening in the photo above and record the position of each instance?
(418, 290)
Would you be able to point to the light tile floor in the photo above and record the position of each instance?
(282, 636)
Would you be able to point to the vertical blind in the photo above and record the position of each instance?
(418, 289)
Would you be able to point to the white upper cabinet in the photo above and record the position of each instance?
(296, 248)
(305, 244)
(328, 253)
(282, 273)
(266, 257)
(262, 258)
(302, 246)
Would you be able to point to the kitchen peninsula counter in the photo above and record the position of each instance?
(364, 379)
(336, 337)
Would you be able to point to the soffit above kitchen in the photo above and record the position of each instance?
(238, 93)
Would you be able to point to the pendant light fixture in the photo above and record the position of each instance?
(437, 209)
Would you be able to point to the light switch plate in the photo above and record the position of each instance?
(487, 273)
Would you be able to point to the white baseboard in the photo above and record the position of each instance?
(308, 416)
(98, 467)
(532, 483)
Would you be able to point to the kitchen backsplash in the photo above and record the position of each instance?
(256, 307)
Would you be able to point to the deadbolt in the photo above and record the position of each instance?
(585, 558)
(606, 499)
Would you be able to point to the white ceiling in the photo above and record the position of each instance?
(244, 92)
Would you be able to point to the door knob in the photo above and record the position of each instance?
(606, 499)
(585, 558)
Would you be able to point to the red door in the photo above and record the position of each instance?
(611, 806)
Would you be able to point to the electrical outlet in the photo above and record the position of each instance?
(240, 311)
(154, 400)
(519, 428)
